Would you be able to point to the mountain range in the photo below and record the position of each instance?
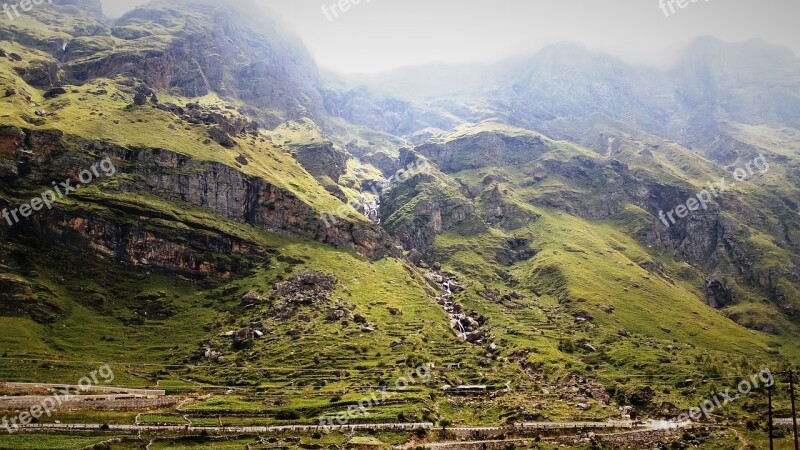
(531, 257)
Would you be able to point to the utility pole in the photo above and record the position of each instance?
(794, 411)
(769, 396)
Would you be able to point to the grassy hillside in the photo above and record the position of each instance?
(582, 303)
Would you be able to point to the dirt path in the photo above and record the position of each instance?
(744, 442)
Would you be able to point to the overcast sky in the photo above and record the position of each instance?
(376, 35)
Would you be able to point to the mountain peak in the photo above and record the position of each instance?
(95, 7)
(713, 47)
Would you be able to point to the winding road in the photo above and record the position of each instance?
(647, 426)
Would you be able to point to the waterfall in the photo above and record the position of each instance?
(461, 326)
(371, 210)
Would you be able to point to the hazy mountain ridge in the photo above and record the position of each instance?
(565, 88)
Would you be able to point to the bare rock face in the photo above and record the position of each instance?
(430, 218)
(143, 249)
(642, 396)
(11, 139)
(238, 54)
(217, 187)
(484, 150)
(503, 214)
(229, 122)
(717, 294)
(143, 94)
(387, 164)
(416, 210)
(609, 195)
(323, 160)
(42, 73)
(711, 240)
(17, 154)
(230, 193)
(599, 394)
(243, 339)
(698, 237)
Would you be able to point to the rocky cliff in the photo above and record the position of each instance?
(30, 156)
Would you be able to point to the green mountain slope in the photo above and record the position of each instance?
(530, 262)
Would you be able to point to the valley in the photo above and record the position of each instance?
(278, 247)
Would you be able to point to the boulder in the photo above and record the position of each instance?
(251, 298)
(415, 257)
(55, 92)
(221, 137)
(243, 339)
(475, 336)
(338, 314)
(139, 99)
(599, 394)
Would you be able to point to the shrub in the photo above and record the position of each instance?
(287, 414)
(566, 346)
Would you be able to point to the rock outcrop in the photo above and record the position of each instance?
(217, 187)
(220, 49)
(483, 150)
(323, 160)
(145, 249)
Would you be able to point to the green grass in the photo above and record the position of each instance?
(307, 366)
(48, 441)
(232, 444)
(161, 419)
